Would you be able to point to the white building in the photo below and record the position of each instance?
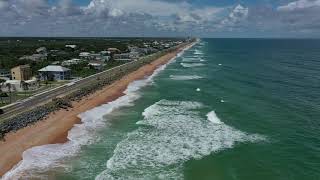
(84, 55)
(5, 74)
(72, 62)
(96, 65)
(17, 85)
(71, 46)
(35, 57)
(41, 50)
(53, 72)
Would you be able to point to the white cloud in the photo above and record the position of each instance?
(298, 5)
(151, 7)
(168, 16)
(152, 17)
(3, 5)
(32, 4)
(116, 12)
(236, 16)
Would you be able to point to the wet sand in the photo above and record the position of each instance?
(54, 129)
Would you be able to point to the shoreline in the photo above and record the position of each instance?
(54, 129)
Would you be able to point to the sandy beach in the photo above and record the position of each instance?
(54, 129)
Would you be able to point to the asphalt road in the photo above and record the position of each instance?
(45, 97)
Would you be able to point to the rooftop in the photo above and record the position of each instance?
(54, 68)
(22, 66)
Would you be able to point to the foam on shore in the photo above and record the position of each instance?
(171, 133)
(42, 158)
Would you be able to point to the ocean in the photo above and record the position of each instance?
(225, 109)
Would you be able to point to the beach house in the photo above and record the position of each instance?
(19, 86)
(84, 55)
(54, 72)
(97, 65)
(5, 74)
(114, 50)
(72, 46)
(22, 72)
(122, 57)
(73, 61)
(41, 50)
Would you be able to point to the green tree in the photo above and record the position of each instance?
(9, 86)
(1, 85)
(25, 87)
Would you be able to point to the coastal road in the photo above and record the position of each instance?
(47, 96)
(40, 99)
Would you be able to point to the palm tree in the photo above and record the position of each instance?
(38, 77)
(1, 92)
(8, 85)
(25, 87)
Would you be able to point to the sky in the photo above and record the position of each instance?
(169, 18)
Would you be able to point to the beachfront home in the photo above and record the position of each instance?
(22, 72)
(84, 55)
(54, 72)
(122, 57)
(41, 50)
(72, 62)
(19, 86)
(95, 56)
(5, 74)
(105, 53)
(114, 50)
(105, 58)
(97, 65)
(136, 51)
(35, 57)
(55, 63)
(72, 46)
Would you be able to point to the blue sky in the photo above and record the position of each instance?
(201, 18)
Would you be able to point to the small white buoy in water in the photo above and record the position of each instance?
(198, 89)
(222, 101)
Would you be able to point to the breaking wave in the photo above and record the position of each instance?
(198, 52)
(189, 65)
(39, 159)
(192, 59)
(182, 78)
(171, 133)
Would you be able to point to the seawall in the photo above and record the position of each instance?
(49, 126)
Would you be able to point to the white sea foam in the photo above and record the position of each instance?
(184, 77)
(193, 59)
(171, 133)
(198, 52)
(212, 117)
(42, 158)
(189, 65)
(39, 159)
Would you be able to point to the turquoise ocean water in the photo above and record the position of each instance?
(226, 109)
